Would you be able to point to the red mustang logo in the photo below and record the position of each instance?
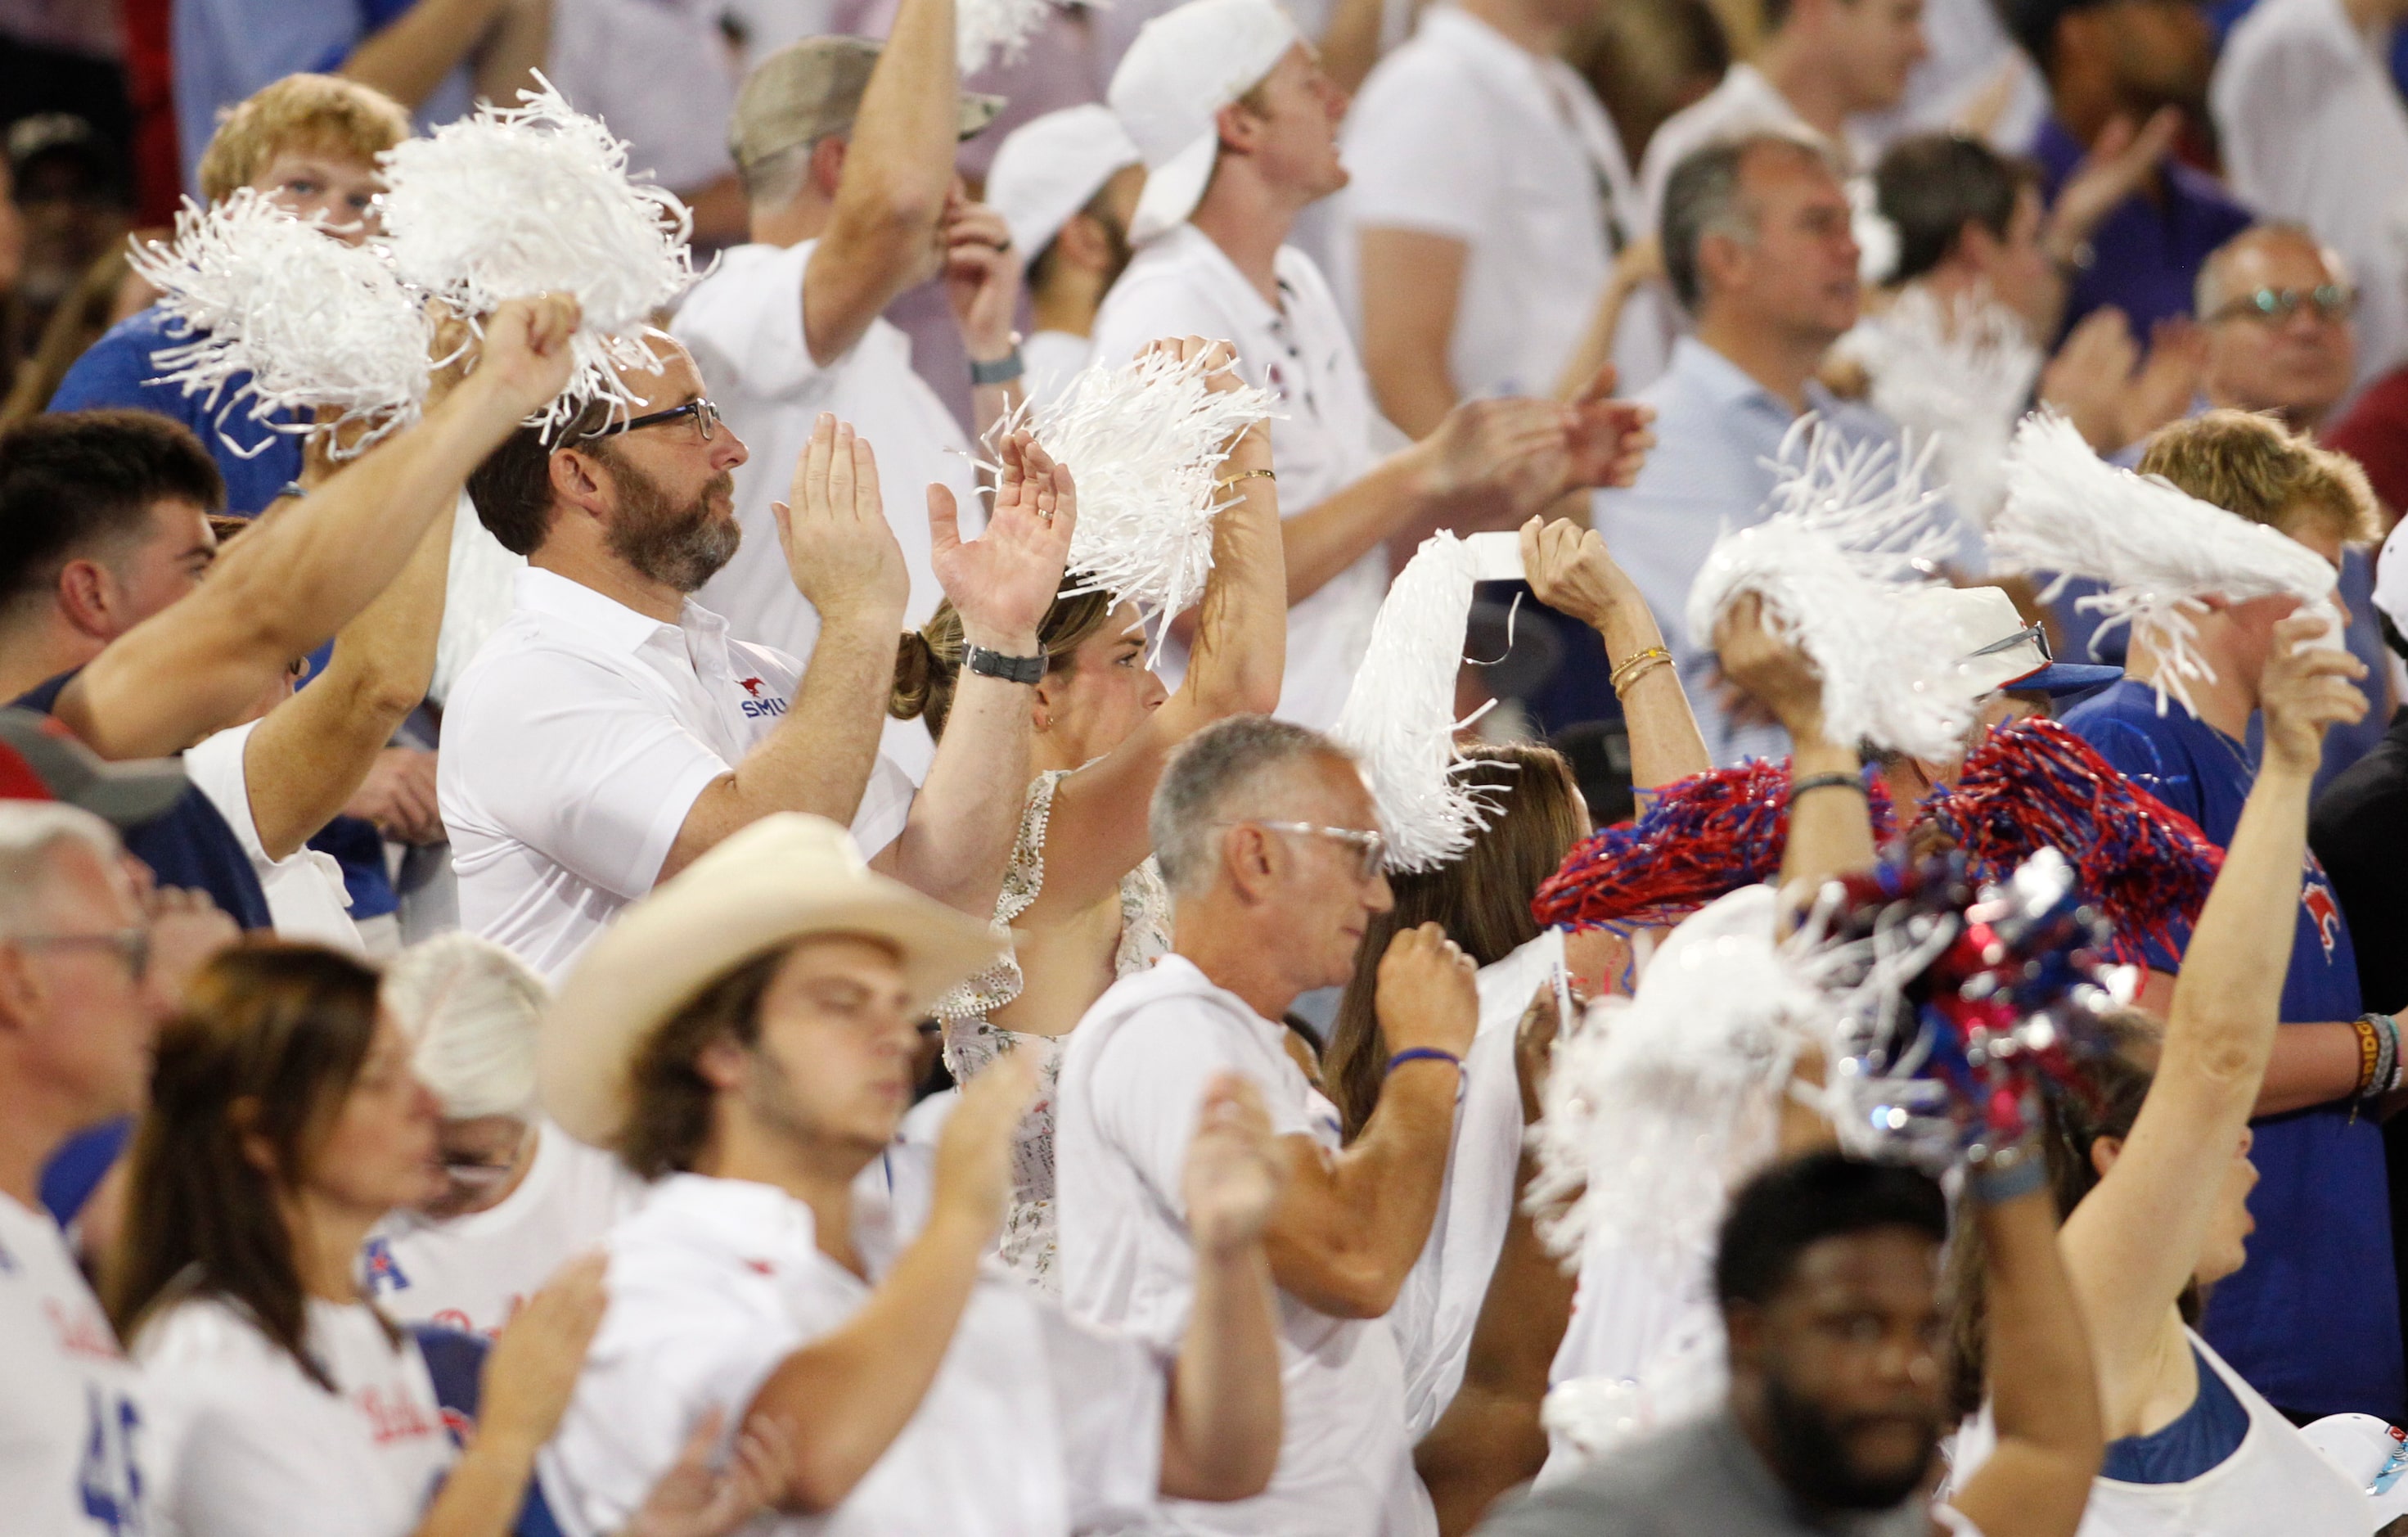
(750, 686)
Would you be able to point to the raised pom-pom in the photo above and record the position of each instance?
(313, 321)
(2160, 551)
(1145, 442)
(2036, 786)
(1400, 714)
(1851, 528)
(988, 31)
(1700, 839)
(1958, 374)
(518, 201)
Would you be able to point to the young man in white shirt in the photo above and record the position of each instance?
(2312, 130)
(1067, 183)
(1490, 195)
(747, 1037)
(86, 977)
(1239, 125)
(846, 149)
(614, 728)
(1266, 836)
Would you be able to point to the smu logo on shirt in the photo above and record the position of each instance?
(383, 1272)
(759, 705)
(2318, 899)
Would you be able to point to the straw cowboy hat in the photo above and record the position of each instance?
(784, 877)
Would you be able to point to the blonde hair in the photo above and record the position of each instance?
(2260, 469)
(299, 111)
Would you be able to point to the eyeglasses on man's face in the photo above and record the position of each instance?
(133, 945)
(2330, 302)
(705, 414)
(1370, 848)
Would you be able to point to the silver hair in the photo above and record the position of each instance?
(778, 179)
(31, 834)
(1227, 771)
(470, 1008)
(1703, 196)
(2206, 291)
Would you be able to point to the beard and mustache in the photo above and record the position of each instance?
(1812, 1454)
(681, 545)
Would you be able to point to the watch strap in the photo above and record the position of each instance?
(1011, 669)
(1003, 370)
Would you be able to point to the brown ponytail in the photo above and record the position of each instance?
(928, 662)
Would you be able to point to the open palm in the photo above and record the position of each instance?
(1004, 580)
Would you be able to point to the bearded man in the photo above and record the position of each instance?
(613, 730)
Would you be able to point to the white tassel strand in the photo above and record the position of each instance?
(1852, 528)
(1400, 714)
(988, 31)
(518, 201)
(2160, 551)
(1958, 373)
(314, 321)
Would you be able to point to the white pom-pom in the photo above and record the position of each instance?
(997, 30)
(313, 321)
(1400, 714)
(2160, 551)
(532, 199)
(1658, 1103)
(1851, 529)
(1144, 443)
(1959, 374)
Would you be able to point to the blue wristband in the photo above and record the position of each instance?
(1425, 1053)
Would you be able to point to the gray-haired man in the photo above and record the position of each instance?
(1267, 839)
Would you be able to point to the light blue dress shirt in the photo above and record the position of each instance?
(1718, 439)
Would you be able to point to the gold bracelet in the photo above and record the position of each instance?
(1248, 475)
(1636, 666)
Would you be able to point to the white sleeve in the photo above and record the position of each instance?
(1417, 157)
(1113, 1392)
(215, 768)
(590, 770)
(744, 324)
(1149, 1084)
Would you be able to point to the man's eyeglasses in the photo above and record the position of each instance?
(471, 1173)
(705, 414)
(1371, 849)
(132, 946)
(2331, 301)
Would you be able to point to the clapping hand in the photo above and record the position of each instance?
(693, 1501)
(1232, 1180)
(1606, 440)
(974, 1150)
(839, 551)
(533, 1367)
(1004, 581)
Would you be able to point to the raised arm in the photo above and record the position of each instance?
(841, 1401)
(2044, 1397)
(2134, 1242)
(1097, 833)
(1571, 572)
(1221, 1427)
(843, 558)
(409, 56)
(1350, 1223)
(960, 826)
(306, 569)
(1411, 280)
(881, 234)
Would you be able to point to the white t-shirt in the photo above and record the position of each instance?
(744, 325)
(473, 1272)
(1053, 359)
(307, 898)
(1462, 133)
(2313, 131)
(576, 743)
(1132, 1079)
(1033, 1427)
(76, 1443)
(243, 1444)
(659, 72)
(1181, 284)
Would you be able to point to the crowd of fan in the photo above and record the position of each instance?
(525, 1007)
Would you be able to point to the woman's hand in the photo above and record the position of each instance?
(534, 1366)
(1004, 581)
(1571, 572)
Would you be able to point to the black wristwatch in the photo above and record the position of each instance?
(1011, 669)
(1003, 370)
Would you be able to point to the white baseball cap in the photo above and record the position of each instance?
(1183, 67)
(1050, 167)
(2391, 580)
(1996, 650)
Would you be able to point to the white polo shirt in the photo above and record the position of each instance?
(574, 746)
(242, 1443)
(1033, 1427)
(1464, 134)
(1181, 284)
(1053, 359)
(307, 898)
(1132, 1079)
(473, 1272)
(74, 1443)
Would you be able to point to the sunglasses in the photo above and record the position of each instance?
(2033, 634)
(2331, 301)
(1371, 849)
(705, 414)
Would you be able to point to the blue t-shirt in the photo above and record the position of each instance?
(2313, 1319)
(117, 371)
